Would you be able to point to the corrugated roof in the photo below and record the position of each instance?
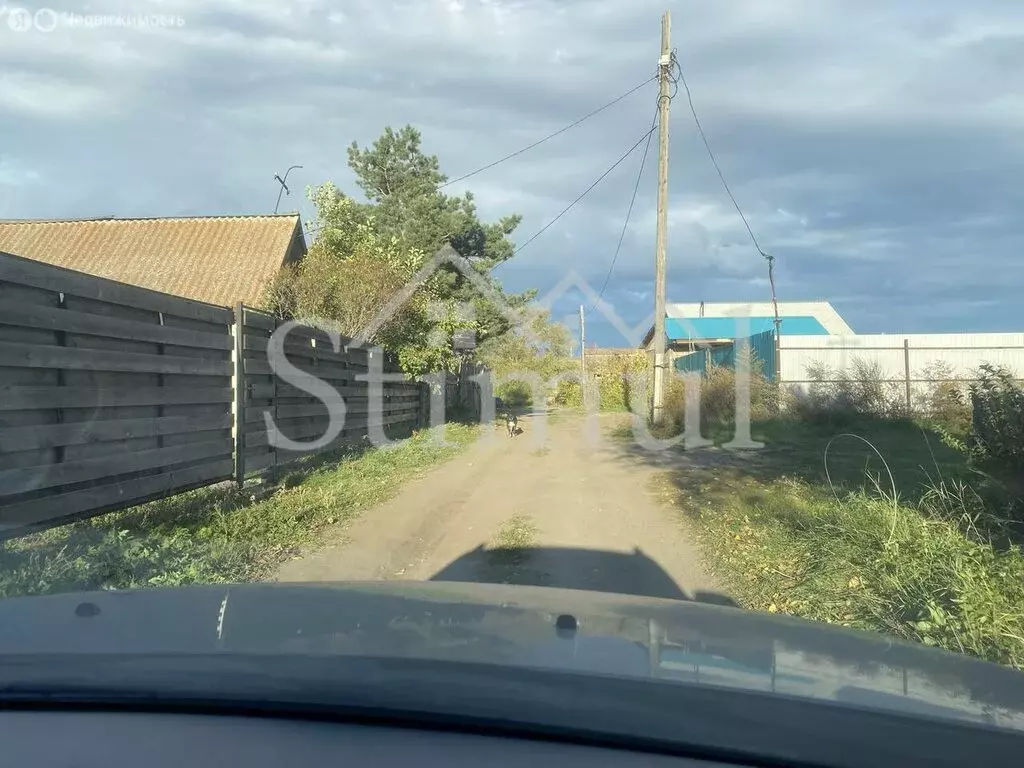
(679, 329)
(825, 313)
(217, 259)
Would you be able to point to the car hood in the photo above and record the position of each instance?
(536, 627)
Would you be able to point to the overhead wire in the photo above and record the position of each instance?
(602, 108)
(711, 154)
(647, 135)
(550, 136)
(629, 211)
(625, 224)
(585, 192)
(681, 77)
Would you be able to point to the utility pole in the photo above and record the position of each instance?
(664, 97)
(583, 344)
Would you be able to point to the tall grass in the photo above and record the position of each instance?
(921, 571)
(932, 556)
(718, 400)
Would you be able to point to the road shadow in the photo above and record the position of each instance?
(624, 573)
(834, 460)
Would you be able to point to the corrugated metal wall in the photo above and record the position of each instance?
(762, 347)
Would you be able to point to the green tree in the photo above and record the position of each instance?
(403, 186)
(351, 273)
(546, 353)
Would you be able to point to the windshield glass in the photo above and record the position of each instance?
(282, 302)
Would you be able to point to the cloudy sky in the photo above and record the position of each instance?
(876, 147)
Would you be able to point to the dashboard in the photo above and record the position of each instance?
(111, 739)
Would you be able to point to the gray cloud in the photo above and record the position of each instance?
(876, 147)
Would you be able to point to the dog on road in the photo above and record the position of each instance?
(511, 424)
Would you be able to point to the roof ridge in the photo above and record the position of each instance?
(755, 301)
(91, 219)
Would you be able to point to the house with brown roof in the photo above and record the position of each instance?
(216, 259)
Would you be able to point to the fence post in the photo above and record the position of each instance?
(777, 349)
(424, 420)
(238, 384)
(906, 368)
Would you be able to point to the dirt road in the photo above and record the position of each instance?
(571, 514)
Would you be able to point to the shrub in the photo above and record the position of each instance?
(613, 374)
(944, 403)
(836, 396)
(569, 394)
(997, 437)
(718, 399)
(516, 394)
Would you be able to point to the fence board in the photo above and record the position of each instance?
(359, 389)
(17, 398)
(305, 431)
(33, 356)
(80, 432)
(255, 462)
(326, 373)
(96, 325)
(16, 481)
(255, 319)
(48, 511)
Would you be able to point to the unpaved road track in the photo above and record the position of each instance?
(573, 514)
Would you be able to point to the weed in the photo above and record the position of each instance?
(921, 562)
(516, 535)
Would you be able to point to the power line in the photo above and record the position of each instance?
(647, 135)
(550, 136)
(767, 256)
(629, 212)
(613, 102)
(707, 146)
(571, 205)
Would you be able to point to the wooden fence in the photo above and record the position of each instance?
(113, 395)
(301, 416)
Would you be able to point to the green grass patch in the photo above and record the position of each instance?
(926, 564)
(217, 535)
(516, 535)
(917, 456)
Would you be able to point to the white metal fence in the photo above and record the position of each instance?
(914, 361)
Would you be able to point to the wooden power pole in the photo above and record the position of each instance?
(664, 97)
(583, 344)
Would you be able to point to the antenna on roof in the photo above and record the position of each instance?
(284, 185)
